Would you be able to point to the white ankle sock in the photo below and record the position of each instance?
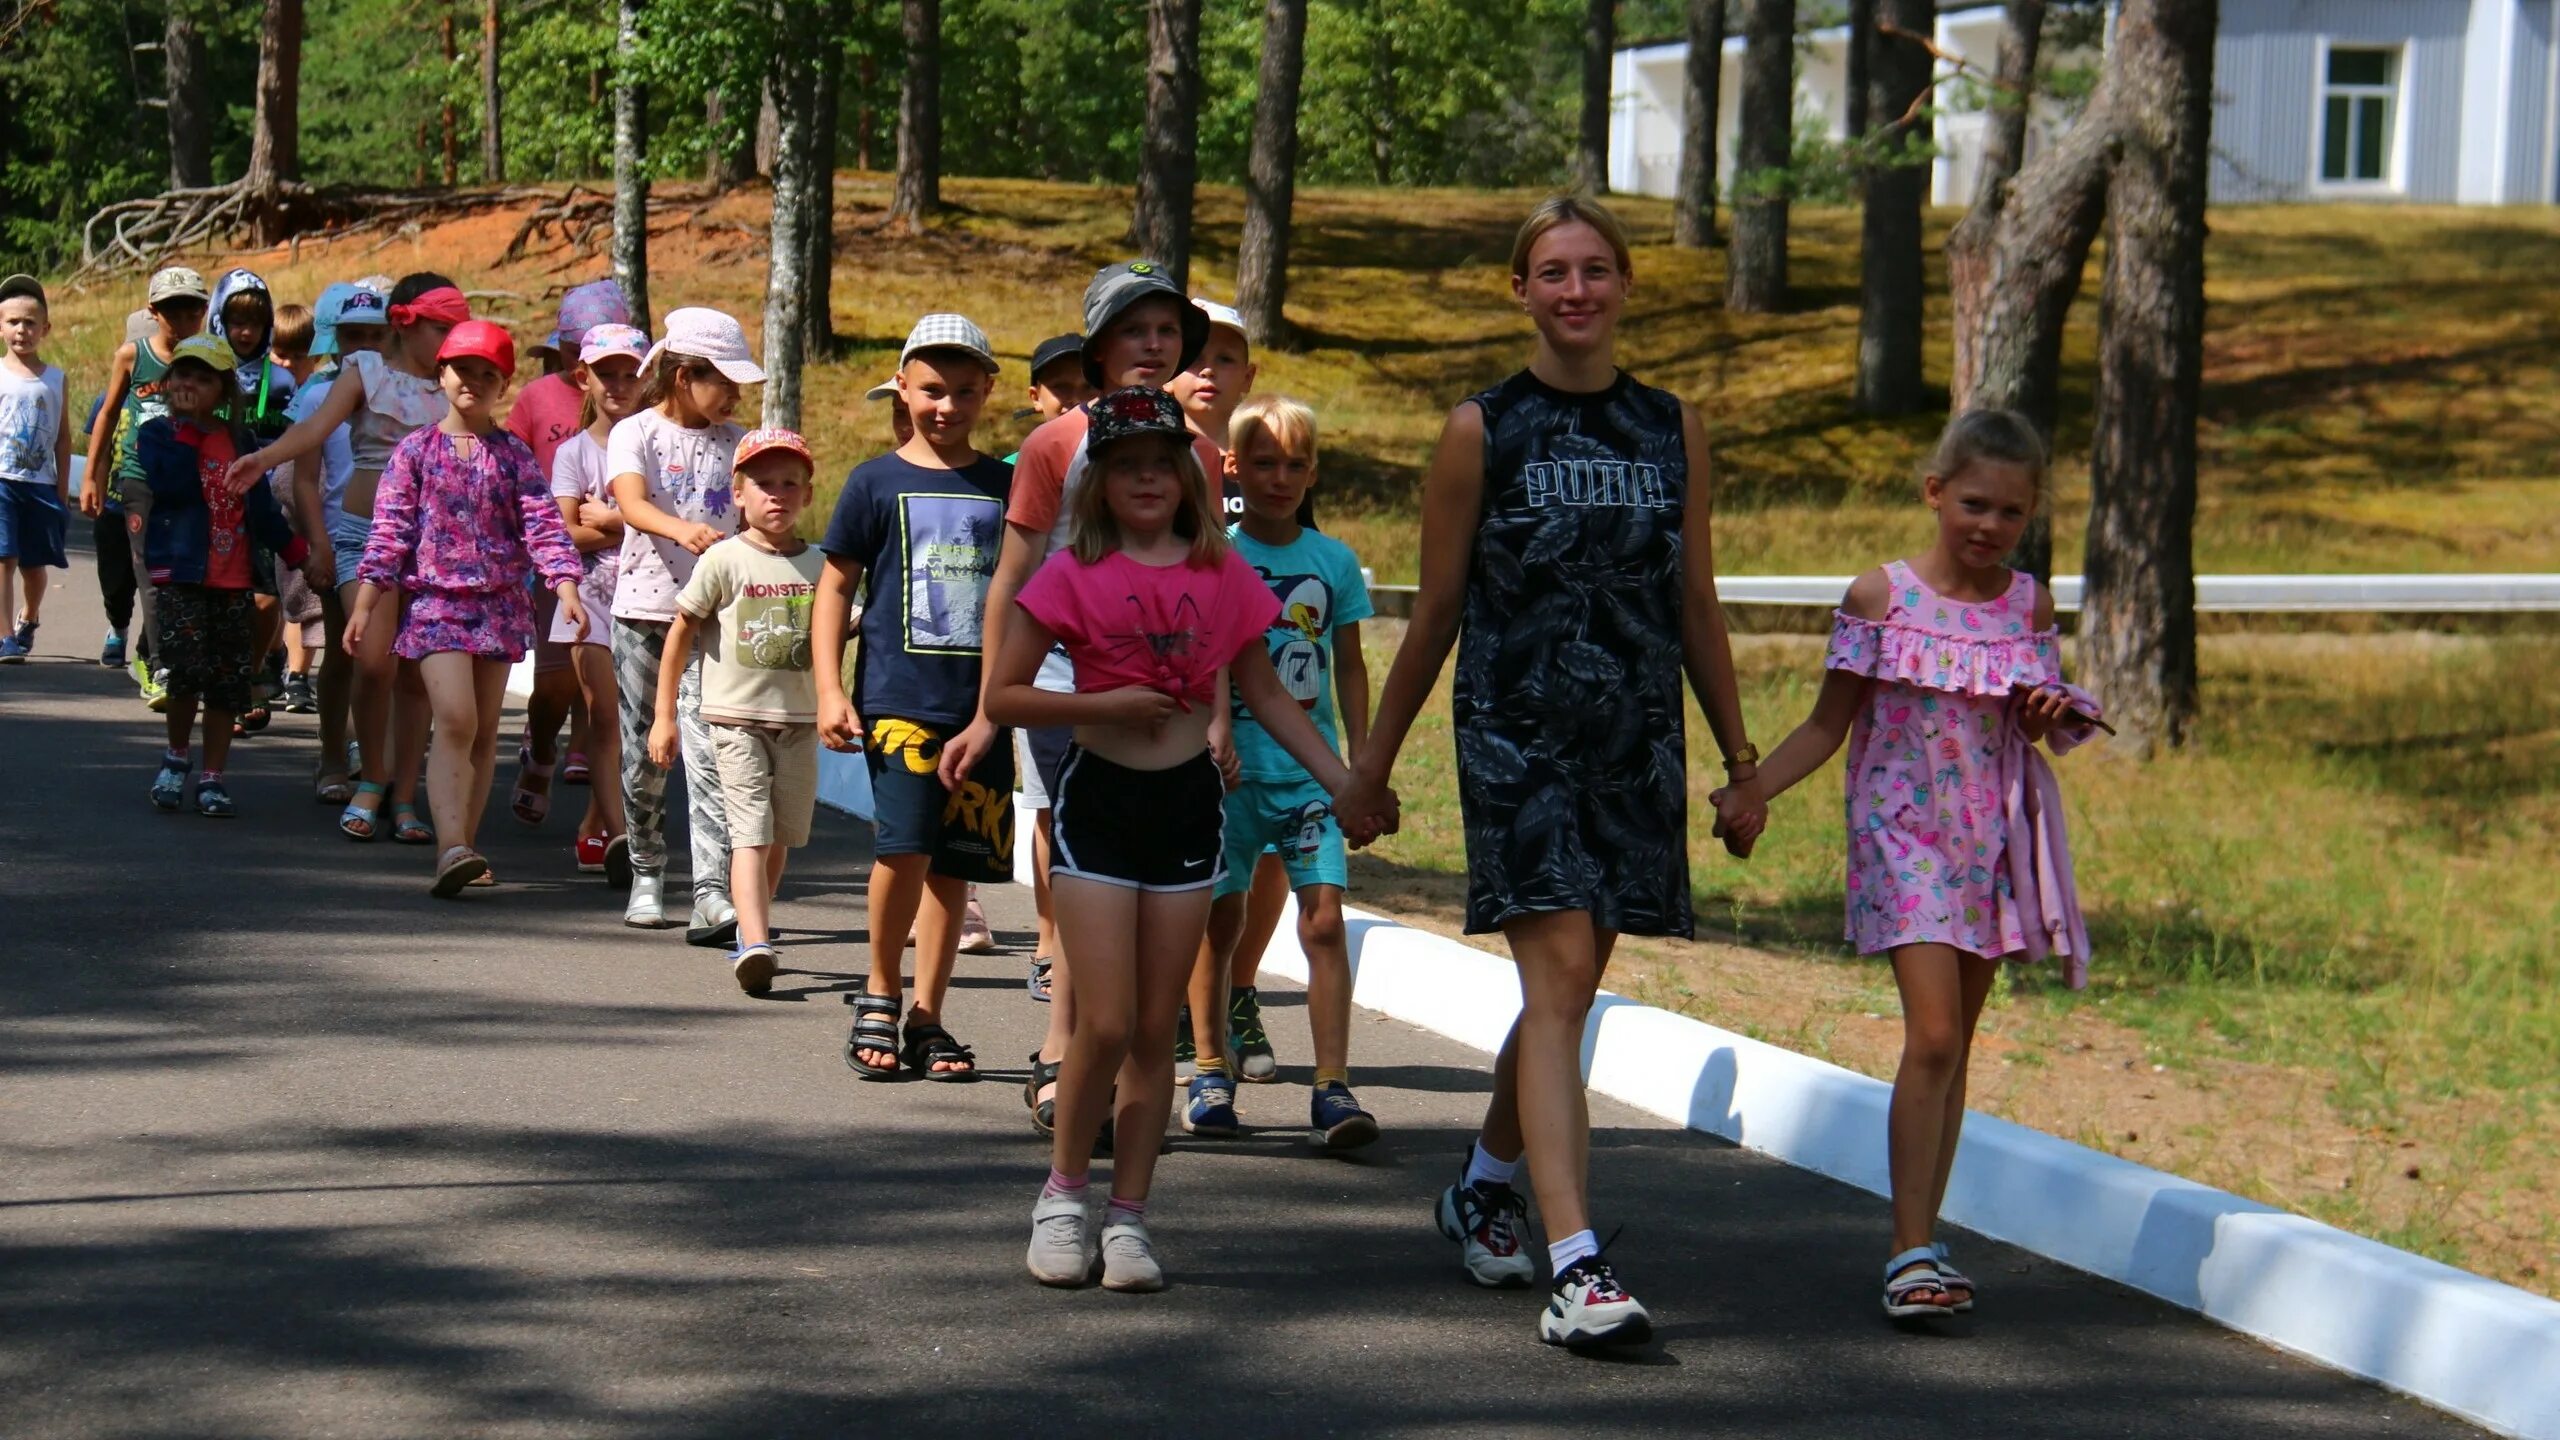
(1577, 1246)
(1483, 1169)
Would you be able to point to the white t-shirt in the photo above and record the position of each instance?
(578, 473)
(686, 473)
(30, 425)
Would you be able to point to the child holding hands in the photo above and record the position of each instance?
(749, 600)
(460, 519)
(1942, 674)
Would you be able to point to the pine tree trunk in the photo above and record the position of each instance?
(1169, 166)
(1756, 276)
(1859, 62)
(2138, 617)
(866, 120)
(794, 89)
(452, 121)
(1599, 51)
(1693, 214)
(631, 165)
(493, 144)
(275, 145)
(826, 116)
(919, 191)
(732, 158)
(190, 125)
(1262, 261)
(1890, 271)
(1382, 95)
(2004, 132)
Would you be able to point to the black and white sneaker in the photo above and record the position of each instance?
(1589, 1309)
(1486, 1221)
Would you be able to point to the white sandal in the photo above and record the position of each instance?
(1952, 1278)
(1908, 1277)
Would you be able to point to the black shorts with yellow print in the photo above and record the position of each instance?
(967, 831)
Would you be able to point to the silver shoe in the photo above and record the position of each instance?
(644, 912)
(715, 922)
(1128, 1260)
(1062, 1246)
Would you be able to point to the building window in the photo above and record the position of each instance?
(2359, 105)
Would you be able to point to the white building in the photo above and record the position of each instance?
(2448, 101)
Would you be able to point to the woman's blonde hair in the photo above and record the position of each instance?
(1289, 422)
(1569, 209)
(1093, 531)
(2000, 435)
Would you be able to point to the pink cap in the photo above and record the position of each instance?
(603, 340)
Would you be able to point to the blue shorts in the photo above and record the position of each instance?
(31, 522)
(1292, 817)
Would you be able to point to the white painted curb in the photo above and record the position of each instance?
(2485, 1351)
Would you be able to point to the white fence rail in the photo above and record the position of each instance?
(2221, 594)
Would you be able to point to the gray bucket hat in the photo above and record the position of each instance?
(1117, 287)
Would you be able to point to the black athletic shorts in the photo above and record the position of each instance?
(1156, 830)
(969, 831)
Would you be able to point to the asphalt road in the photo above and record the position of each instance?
(288, 1148)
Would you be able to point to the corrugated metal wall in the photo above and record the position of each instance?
(2529, 115)
(2267, 86)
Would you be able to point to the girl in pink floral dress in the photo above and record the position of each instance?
(1942, 674)
(462, 518)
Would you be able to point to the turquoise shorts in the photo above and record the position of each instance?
(1291, 817)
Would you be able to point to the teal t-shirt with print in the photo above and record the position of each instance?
(1317, 580)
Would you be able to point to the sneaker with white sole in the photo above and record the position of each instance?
(644, 910)
(1209, 1108)
(1589, 1309)
(1063, 1250)
(1486, 1221)
(1248, 1046)
(1128, 1259)
(755, 967)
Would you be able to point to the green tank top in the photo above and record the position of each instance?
(141, 402)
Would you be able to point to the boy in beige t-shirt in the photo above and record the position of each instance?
(749, 601)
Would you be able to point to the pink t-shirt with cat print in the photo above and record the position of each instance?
(1167, 627)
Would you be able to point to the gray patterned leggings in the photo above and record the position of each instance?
(637, 648)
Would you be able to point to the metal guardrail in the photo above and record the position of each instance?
(2215, 594)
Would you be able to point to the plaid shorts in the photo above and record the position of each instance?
(208, 642)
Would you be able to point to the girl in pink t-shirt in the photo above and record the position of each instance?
(1155, 610)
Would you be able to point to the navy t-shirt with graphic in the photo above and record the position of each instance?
(926, 540)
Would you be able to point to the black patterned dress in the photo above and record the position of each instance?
(1572, 764)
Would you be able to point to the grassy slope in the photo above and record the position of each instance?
(2333, 911)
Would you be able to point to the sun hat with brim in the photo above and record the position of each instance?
(1132, 411)
(598, 302)
(949, 332)
(1225, 317)
(705, 334)
(178, 283)
(769, 441)
(480, 340)
(603, 341)
(1117, 287)
(1054, 349)
(205, 349)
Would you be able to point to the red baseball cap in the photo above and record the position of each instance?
(481, 340)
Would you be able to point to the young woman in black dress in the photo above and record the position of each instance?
(1565, 552)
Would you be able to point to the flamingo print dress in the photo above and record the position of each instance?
(1927, 828)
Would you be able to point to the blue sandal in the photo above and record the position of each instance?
(407, 828)
(360, 821)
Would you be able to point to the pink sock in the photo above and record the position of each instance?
(1134, 1209)
(1062, 1185)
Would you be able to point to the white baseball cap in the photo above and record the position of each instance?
(707, 334)
(1224, 317)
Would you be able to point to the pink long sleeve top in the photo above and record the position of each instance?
(451, 524)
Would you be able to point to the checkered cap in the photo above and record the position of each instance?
(949, 332)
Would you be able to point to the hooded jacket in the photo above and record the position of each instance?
(177, 542)
(265, 387)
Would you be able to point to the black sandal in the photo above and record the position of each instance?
(1044, 1113)
(875, 1028)
(928, 1045)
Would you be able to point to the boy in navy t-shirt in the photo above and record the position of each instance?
(915, 536)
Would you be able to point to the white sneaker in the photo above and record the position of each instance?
(1486, 1221)
(1062, 1246)
(1589, 1309)
(976, 938)
(1128, 1260)
(644, 912)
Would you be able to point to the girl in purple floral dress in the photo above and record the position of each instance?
(1942, 674)
(461, 518)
